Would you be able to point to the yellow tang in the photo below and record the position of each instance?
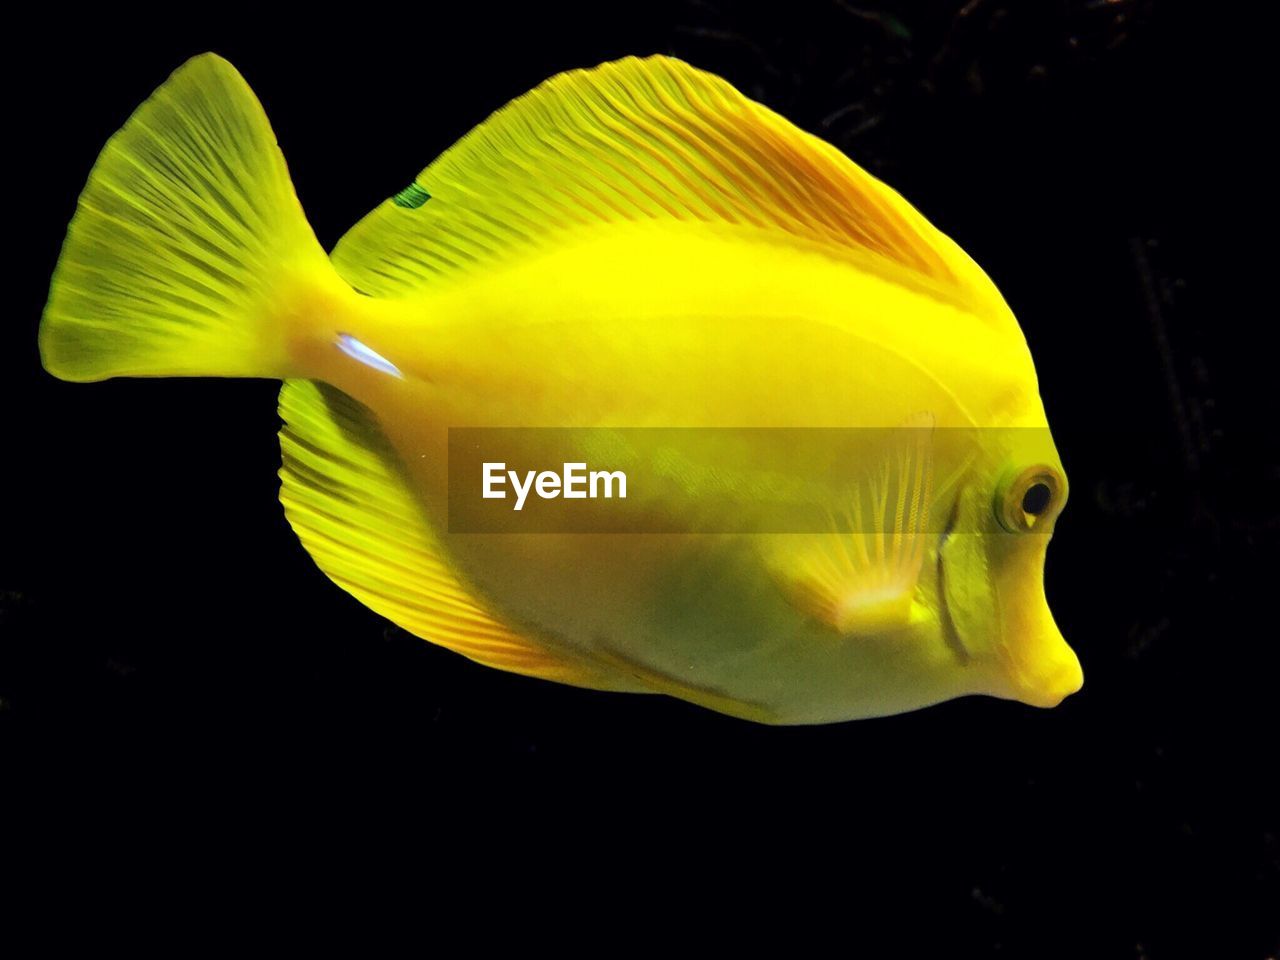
(632, 246)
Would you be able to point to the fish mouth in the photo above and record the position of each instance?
(1044, 669)
(1052, 686)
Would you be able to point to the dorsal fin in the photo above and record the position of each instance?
(348, 500)
(635, 140)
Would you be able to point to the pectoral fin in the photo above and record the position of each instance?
(860, 578)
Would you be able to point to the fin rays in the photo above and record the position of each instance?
(182, 239)
(635, 140)
(345, 497)
(861, 577)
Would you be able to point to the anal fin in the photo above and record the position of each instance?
(347, 498)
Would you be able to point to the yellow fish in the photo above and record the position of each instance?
(624, 252)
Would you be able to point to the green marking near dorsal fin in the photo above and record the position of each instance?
(412, 196)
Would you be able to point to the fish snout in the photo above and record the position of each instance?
(1054, 676)
(1039, 666)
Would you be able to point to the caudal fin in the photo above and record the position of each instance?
(184, 243)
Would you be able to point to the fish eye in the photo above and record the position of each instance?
(1025, 498)
(1036, 500)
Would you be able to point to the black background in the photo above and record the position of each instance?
(176, 669)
